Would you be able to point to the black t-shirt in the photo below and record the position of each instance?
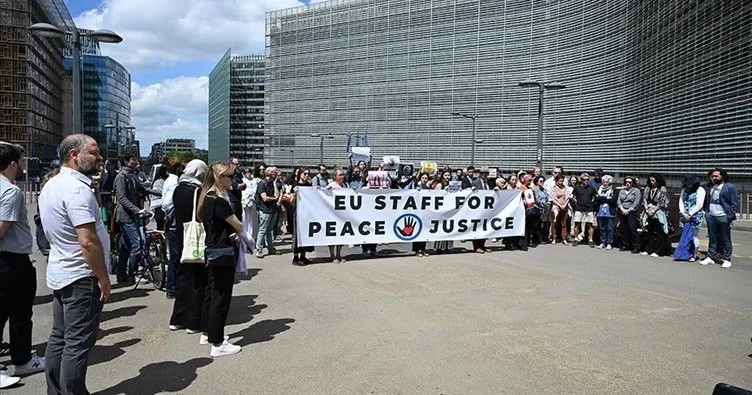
(216, 211)
(269, 207)
(585, 197)
(182, 200)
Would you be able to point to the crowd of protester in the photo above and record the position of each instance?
(245, 209)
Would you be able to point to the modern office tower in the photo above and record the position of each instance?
(160, 150)
(236, 109)
(31, 77)
(650, 85)
(106, 96)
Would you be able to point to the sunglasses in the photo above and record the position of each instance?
(629, 182)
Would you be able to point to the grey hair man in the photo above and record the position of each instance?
(77, 267)
(18, 277)
(268, 196)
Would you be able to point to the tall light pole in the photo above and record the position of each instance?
(321, 147)
(52, 31)
(292, 160)
(542, 87)
(475, 140)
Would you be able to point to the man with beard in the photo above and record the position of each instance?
(77, 264)
(723, 204)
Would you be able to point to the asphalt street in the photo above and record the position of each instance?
(557, 319)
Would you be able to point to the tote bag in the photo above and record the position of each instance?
(194, 237)
(685, 250)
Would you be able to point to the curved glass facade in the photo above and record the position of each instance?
(651, 85)
(106, 96)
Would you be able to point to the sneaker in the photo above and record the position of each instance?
(575, 243)
(259, 254)
(693, 259)
(726, 264)
(342, 260)
(602, 246)
(225, 349)
(204, 339)
(654, 255)
(35, 365)
(176, 327)
(644, 253)
(306, 261)
(591, 244)
(297, 262)
(7, 380)
(608, 247)
(170, 295)
(706, 261)
(192, 331)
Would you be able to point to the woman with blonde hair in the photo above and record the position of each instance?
(221, 227)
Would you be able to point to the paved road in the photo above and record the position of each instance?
(554, 320)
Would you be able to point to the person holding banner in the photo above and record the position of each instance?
(481, 183)
(443, 247)
(532, 212)
(298, 253)
(421, 183)
(335, 251)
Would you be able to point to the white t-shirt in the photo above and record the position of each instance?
(66, 201)
(715, 207)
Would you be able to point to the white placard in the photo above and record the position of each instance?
(360, 154)
(344, 216)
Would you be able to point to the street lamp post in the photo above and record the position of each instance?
(292, 160)
(542, 87)
(473, 117)
(52, 31)
(321, 147)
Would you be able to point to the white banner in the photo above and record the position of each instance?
(346, 216)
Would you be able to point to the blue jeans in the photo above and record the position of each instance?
(130, 246)
(606, 226)
(719, 233)
(76, 311)
(174, 260)
(267, 222)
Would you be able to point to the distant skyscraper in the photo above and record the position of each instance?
(236, 109)
(31, 76)
(652, 85)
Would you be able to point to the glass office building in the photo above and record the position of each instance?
(236, 109)
(106, 96)
(651, 85)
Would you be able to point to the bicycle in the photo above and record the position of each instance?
(154, 262)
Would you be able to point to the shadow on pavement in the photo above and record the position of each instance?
(101, 354)
(106, 332)
(251, 274)
(43, 299)
(242, 309)
(168, 376)
(121, 312)
(128, 294)
(261, 331)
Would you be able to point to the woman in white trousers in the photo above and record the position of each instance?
(250, 214)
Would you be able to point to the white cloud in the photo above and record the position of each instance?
(166, 33)
(173, 108)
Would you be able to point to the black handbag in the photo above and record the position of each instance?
(220, 257)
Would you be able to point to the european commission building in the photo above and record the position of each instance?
(651, 85)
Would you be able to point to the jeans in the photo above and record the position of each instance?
(267, 221)
(606, 226)
(76, 310)
(18, 286)
(130, 247)
(719, 233)
(174, 260)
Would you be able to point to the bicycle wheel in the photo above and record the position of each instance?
(156, 264)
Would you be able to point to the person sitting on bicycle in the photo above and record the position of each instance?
(128, 190)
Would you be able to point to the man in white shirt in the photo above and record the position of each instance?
(174, 169)
(18, 277)
(77, 267)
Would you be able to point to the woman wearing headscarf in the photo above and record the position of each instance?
(605, 199)
(691, 204)
(656, 208)
(191, 280)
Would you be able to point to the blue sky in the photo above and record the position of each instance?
(170, 47)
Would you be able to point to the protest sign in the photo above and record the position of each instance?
(361, 154)
(391, 164)
(406, 170)
(428, 167)
(454, 186)
(345, 216)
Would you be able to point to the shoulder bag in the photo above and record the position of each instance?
(194, 237)
(222, 256)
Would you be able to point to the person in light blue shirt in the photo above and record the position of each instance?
(723, 204)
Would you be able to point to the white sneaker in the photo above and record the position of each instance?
(654, 255)
(6, 380)
(706, 261)
(644, 253)
(692, 259)
(225, 349)
(35, 365)
(204, 339)
(192, 331)
(726, 264)
(602, 246)
(608, 247)
(175, 327)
